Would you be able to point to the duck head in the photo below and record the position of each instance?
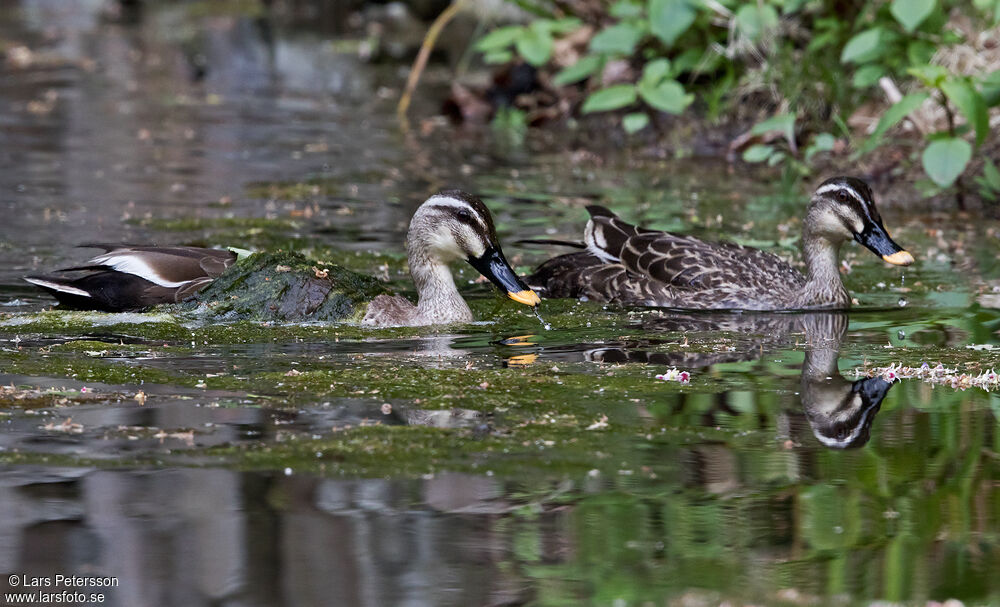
(844, 207)
(454, 224)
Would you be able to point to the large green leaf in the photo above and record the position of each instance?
(753, 19)
(620, 38)
(968, 101)
(899, 110)
(911, 13)
(864, 46)
(535, 45)
(945, 159)
(667, 96)
(611, 98)
(668, 19)
(580, 70)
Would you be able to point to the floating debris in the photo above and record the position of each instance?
(683, 377)
(939, 375)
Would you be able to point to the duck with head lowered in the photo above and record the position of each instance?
(448, 226)
(626, 264)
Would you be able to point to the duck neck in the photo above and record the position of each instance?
(438, 298)
(823, 285)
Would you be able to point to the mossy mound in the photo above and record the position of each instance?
(286, 287)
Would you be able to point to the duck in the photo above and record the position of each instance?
(134, 278)
(631, 265)
(448, 226)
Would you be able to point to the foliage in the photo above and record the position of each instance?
(821, 60)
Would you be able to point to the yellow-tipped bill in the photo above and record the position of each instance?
(526, 297)
(899, 258)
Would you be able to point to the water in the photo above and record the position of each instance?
(503, 462)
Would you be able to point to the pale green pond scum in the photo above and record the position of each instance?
(515, 460)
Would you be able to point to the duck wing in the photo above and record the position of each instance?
(683, 262)
(172, 267)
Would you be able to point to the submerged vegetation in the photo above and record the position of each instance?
(835, 76)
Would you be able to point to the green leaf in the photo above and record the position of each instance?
(500, 38)
(580, 70)
(668, 19)
(821, 142)
(931, 76)
(991, 88)
(968, 101)
(498, 57)
(535, 45)
(911, 13)
(667, 96)
(624, 9)
(867, 75)
(620, 38)
(991, 175)
(656, 70)
(560, 26)
(945, 159)
(611, 98)
(775, 158)
(635, 122)
(754, 19)
(782, 123)
(899, 110)
(757, 153)
(863, 47)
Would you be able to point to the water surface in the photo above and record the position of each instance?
(488, 464)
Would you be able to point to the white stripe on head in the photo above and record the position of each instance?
(836, 187)
(132, 263)
(55, 286)
(441, 200)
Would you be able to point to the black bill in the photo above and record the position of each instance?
(492, 265)
(877, 240)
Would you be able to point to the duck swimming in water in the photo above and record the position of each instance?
(448, 226)
(632, 265)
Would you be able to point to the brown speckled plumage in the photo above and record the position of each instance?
(630, 265)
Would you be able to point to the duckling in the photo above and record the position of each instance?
(632, 265)
(449, 225)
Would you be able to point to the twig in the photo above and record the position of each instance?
(425, 52)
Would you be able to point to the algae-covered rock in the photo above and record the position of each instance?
(287, 287)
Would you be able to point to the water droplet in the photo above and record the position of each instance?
(547, 326)
(902, 302)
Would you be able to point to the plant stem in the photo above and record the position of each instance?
(959, 184)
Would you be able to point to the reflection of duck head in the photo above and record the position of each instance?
(840, 412)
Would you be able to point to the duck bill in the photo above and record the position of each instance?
(494, 266)
(877, 240)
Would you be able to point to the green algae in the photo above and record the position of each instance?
(286, 286)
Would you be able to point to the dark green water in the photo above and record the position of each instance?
(496, 463)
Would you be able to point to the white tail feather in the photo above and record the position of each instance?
(55, 286)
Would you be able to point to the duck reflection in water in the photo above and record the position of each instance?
(839, 411)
